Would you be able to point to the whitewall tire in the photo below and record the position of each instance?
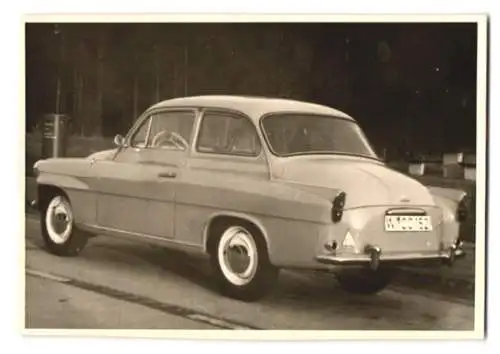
(58, 227)
(241, 263)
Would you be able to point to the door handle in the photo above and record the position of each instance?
(167, 174)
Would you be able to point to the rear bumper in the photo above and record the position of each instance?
(374, 256)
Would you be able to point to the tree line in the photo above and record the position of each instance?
(406, 83)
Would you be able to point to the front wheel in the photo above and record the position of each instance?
(365, 281)
(241, 264)
(58, 231)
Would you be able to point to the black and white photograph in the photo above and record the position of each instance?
(237, 175)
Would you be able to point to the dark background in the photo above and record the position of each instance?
(411, 86)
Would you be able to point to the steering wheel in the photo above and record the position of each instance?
(170, 137)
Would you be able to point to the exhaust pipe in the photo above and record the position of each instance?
(451, 256)
(374, 253)
(454, 252)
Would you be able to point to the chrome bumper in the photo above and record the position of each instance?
(373, 257)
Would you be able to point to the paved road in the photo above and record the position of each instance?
(52, 304)
(119, 284)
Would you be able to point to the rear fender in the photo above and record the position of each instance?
(453, 205)
(448, 199)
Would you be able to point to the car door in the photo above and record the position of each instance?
(137, 187)
(226, 157)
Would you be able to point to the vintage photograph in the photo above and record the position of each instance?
(268, 174)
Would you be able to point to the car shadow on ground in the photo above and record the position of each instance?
(314, 294)
(294, 285)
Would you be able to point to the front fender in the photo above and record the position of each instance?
(73, 176)
(64, 182)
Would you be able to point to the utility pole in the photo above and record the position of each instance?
(100, 73)
(186, 68)
(135, 89)
(59, 37)
(157, 74)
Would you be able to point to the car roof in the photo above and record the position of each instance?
(252, 106)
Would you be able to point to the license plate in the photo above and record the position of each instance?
(402, 223)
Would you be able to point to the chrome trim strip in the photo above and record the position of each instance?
(118, 232)
(406, 211)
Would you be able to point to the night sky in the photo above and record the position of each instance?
(411, 86)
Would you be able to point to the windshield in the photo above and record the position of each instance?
(300, 134)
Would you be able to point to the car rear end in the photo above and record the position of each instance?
(372, 235)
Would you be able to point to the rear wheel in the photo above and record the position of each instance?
(241, 263)
(58, 231)
(365, 281)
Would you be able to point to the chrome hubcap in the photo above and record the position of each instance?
(237, 255)
(59, 220)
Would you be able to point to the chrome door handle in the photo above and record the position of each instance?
(167, 174)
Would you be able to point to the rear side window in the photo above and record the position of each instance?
(227, 133)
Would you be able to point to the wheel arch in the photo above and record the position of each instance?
(46, 191)
(220, 220)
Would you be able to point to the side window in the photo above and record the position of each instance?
(171, 130)
(141, 134)
(225, 133)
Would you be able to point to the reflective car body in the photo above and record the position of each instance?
(319, 207)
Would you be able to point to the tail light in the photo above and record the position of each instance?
(338, 207)
(462, 209)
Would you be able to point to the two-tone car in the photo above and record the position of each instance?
(257, 185)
